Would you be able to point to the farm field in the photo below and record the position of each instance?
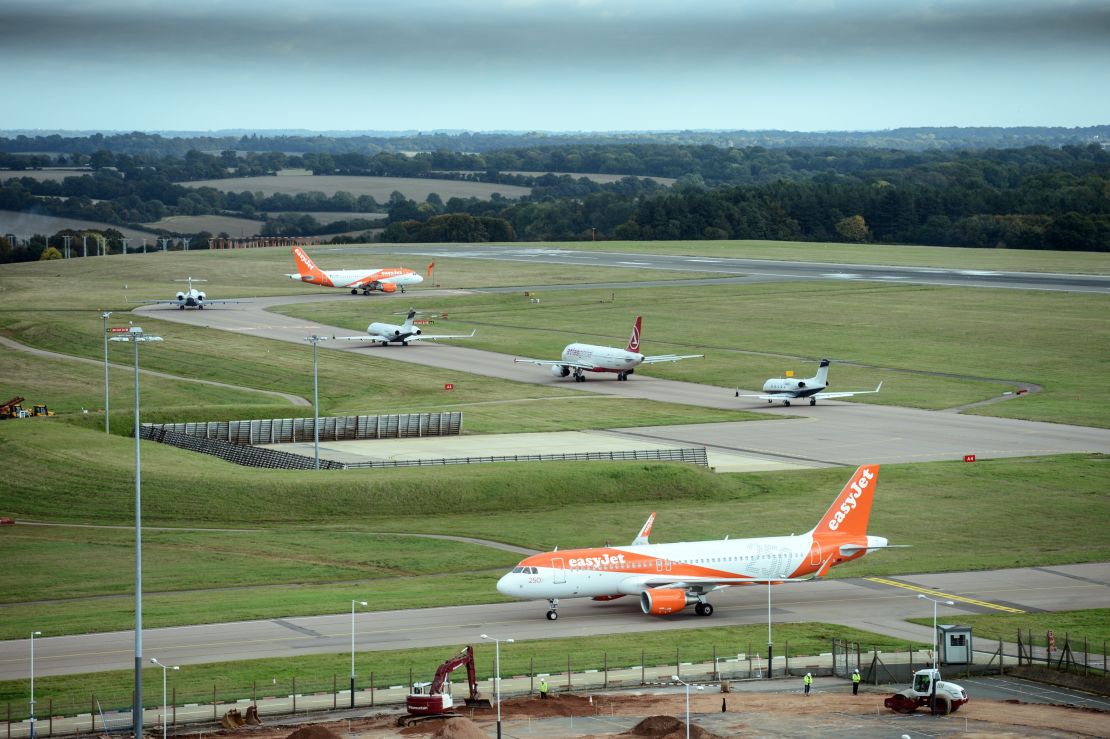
(380, 188)
(44, 175)
(26, 225)
(933, 347)
(592, 176)
(244, 227)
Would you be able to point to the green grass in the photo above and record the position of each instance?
(319, 672)
(84, 476)
(1093, 623)
(933, 347)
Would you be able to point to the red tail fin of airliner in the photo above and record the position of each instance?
(634, 340)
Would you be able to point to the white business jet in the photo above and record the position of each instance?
(384, 333)
(791, 388)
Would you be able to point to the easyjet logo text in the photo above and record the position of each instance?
(602, 561)
(305, 260)
(850, 503)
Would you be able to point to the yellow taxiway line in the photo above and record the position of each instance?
(946, 596)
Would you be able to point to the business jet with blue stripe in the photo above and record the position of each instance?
(813, 388)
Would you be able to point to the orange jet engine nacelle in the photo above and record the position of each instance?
(664, 601)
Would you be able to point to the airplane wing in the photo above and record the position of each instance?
(366, 337)
(178, 302)
(639, 583)
(433, 337)
(845, 394)
(670, 358)
(549, 362)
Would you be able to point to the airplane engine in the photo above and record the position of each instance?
(416, 332)
(180, 296)
(664, 601)
(389, 287)
(801, 384)
(202, 296)
(560, 370)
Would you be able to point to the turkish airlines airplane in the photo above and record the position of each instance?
(190, 297)
(789, 388)
(403, 334)
(669, 577)
(582, 358)
(386, 280)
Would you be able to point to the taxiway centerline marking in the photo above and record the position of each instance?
(941, 594)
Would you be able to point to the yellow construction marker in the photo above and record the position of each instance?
(946, 596)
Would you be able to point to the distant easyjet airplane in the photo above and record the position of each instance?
(669, 577)
(581, 358)
(386, 280)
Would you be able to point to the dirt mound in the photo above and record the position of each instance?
(667, 727)
(564, 704)
(313, 731)
(460, 728)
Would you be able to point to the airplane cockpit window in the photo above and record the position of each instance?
(518, 570)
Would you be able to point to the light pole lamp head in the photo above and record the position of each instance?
(509, 641)
(360, 602)
(36, 633)
(949, 603)
(176, 667)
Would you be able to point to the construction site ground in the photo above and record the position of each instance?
(759, 710)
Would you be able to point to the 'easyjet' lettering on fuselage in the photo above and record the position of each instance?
(602, 561)
(850, 503)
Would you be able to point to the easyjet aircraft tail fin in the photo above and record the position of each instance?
(307, 268)
(645, 532)
(634, 339)
(851, 509)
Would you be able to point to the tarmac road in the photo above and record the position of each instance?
(829, 433)
(878, 605)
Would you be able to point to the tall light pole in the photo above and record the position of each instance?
(136, 336)
(677, 679)
(933, 677)
(33, 635)
(315, 397)
(164, 668)
(105, 315)
(770, 647)
(497, 674)
(353, 604)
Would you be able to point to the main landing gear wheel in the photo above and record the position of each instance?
(703, 609)
(813, 401)
(786, 403)
(552, 615)
(355, 291)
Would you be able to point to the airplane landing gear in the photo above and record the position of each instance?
(703, 609)
(786, 403)
(354, 291)
(578, 376)
(813, 401)
(553, 615)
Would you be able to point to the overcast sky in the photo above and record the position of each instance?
(554, 65)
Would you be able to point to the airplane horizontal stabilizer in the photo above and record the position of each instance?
(670, 358)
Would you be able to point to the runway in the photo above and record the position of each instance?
(858, 602)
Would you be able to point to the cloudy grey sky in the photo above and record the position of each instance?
(555, 65)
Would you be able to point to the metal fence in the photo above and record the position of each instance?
(248, 456)
(332, 428)
(693, 455)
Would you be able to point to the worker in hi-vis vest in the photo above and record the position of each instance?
(855, 681)
(807, 681)
(543, 688)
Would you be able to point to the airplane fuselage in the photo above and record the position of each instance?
(792, 388)
(602, 358)
(348, 277)
(391, 331)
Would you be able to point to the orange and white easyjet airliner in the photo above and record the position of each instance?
(669, 577)
(387, 279)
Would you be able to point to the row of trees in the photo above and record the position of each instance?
(137, 142)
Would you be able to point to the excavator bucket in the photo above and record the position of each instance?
(232, 719)
(252, 716)
(478, 703)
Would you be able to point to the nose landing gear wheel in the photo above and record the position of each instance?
(813, 401)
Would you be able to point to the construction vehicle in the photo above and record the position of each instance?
(40, 409)
(927, 687)
(433, 700)
(13, 409)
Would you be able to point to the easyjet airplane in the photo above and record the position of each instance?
(386, 279)
(669, 577)
(788, 388)
(582, 358)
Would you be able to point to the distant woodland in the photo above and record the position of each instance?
(1040, 196)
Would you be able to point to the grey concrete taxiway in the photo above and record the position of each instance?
(829, 433)
(879, 604)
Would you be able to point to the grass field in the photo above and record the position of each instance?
(1094, 624)
(380, 188)
(83, 476)
(933, 347)
(26, 225)
(318, 673)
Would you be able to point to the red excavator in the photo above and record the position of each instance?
(429, 700)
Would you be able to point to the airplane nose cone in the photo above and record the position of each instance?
(504, 585)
